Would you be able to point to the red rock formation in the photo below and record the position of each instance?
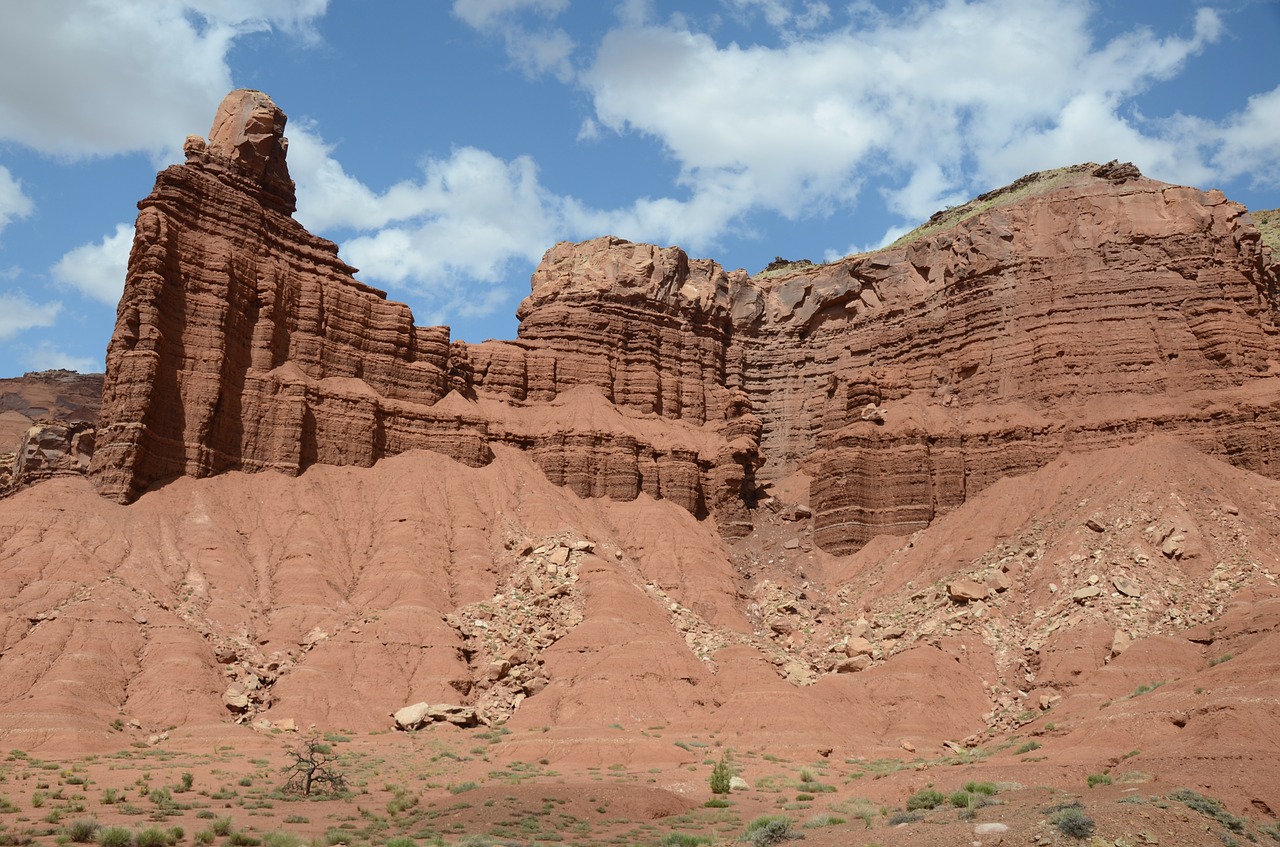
(46, 425)
(244, 343)
(1076, 309)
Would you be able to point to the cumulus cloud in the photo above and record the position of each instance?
(950, 96)
(536, 50)
(48, 356)
(14, 203)
(18, 313)
(97, 269)
(809, 14)
(458, 230)
(173, 66)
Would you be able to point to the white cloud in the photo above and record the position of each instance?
(14, 204)
(466, 222)
(1250, 141)
(98, 269)
(47, 356)
(536, 51)
(483, 14)
(781, 13)
(168, 57)
(949, 98)
(18, 314)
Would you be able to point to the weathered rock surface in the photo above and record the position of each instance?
(46, 425)
(244, 343)
(1075, 309)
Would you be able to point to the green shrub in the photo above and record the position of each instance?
(406, 841)
(1074, 823)
(960, 799)
(680, 839)
(717, 803)
(115, 836)
(905, 817)
(721, 775)
(240, 839)
(279, 838)
(83, 831)
(460, 787)
(819, 821)
(152, 837)
(924, 799)
(1099, 779)
(203, 837)
(222, 827)
(1027, 748)
(1208, 806)
(767, 830)
(987, 788)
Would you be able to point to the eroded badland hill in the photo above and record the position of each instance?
(996, 505)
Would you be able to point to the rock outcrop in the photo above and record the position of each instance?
(46, 425)
(1075, 309)
(244, 343)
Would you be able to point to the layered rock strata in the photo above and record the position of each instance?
(244, 343)
(1075, 309)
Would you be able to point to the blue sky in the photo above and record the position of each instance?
(446, 144)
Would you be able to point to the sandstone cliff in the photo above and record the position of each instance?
(244, 343)
(1075, 309)
(46, 425)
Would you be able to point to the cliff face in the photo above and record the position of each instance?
(244, 343)
(1075, 309)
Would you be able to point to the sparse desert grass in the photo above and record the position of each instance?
(767, 830)
(1099, 779)
(1208, 806)
(926, 798)
(1073, 822)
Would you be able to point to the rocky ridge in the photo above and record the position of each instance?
(1075, 309)
(47, 423)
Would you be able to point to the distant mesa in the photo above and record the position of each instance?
(1083, 307)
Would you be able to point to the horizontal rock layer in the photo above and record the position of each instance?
(1084, 307)
(244, 343)
(1077, 311)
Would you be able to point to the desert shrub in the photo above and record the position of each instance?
(279, 838)
(960, 799)
(406, 841)
(819, 821)
(461, 787)
(115, 836)
(717, 803)
(924, 799)
(152, 837)
(1208, 806)
(721, 775)
(803, 798)
(1099, 779)
(83, 831)
(203, 837)
(680, 839)
(905, 817)
(240, 839)
(767, 830)
(987, 788)
(222, 827)
(1073, 823)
